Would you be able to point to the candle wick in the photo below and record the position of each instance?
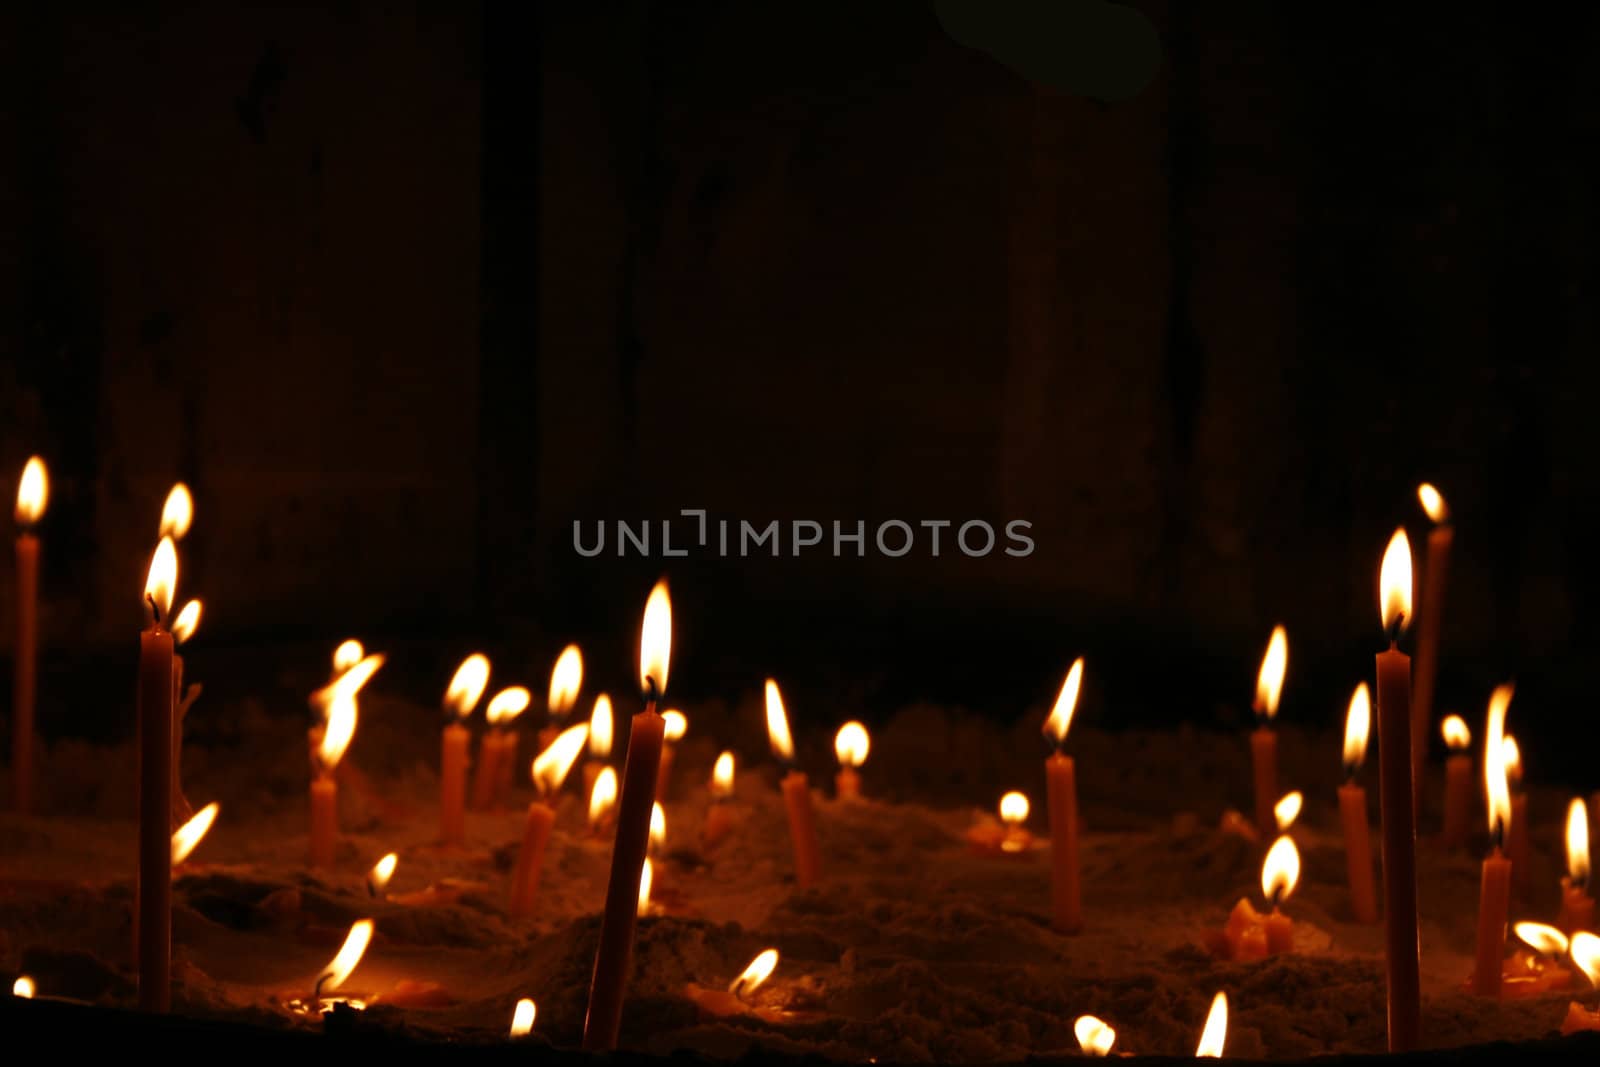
(154, 610)
(651, 691)
(1394, 628)
(316, 990)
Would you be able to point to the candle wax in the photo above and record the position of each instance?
(1264, 763)
(1577, 908)
(1402, 948)
(802, 828)
(155, 820)
(1358, 852)
(23, 665)
(487, 771)
(847, 784)
(530, 858)
(1517, 844)
(1494, 907)
(453, 747)
(1458, 788)
(1435, 567)
(1062, 794)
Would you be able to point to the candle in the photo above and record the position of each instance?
(1494, 900)
(674, 725)
(522, 1017)
(1353, 809)
(851, 745)
(602, 730)
(646, 877)
(1215, 1034)
(640, 767)
(1014, 810)
(1535, 970)
(1434, 570)
(722, 1004)
(460, 697)
(183, 628)
(378, 878)
(1062, 797)
(796, 792)
(1396, 802)
(1095, 1038)
(1517, 850)
(1287, 810)
(329, 742)
(155, 786)
(343, 964)
(719, 816)
(1457, 781)
(497, 751)
(549, 771)
(566, 682)
(1577, 906)
(1264, 741)
(24, 987)
(33, 493)
(1585, 949)
(1249, 934)
(187, 838)
(602, 800)
(658, 829)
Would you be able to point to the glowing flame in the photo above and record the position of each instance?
(658, 827)
(1357, 725)
(1433, 503)
(522, 1018)
(778, 724)
(1586, 954)
(467, 685)
(1544, 939)
(347, 655)
(551, 767)
(674, 725)
(1094, 1036)
(23, 987)
(1215, 1035)
(759, 971)
(1456, 735)
(602, 725)
(507, 705)
(722, 777)
(566, 679)
(1394, 584)
(603, 797)
(33, 493)
(655, 640)
(382, 871)
(1280, 872)
(1269, 682)
(163, 577)
(1060, 719)
(186, 838)
(1513, 761)
(646, 876)
(177, 513)
(188, 620)
(851, 744)
(349, 955)
(1494, 764)
(1013, 809)
(339, 731)
(351, 682)
(1287, 810)
(1578, 842)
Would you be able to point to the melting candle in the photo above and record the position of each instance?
(1435, 568)
(1494, 899)
(1585, 950)
(719, 816)
(1577, 906)
(460, 697)
(1457, 781)
(851, 745)
(1264, 741)
(549, 771)
(33, 493)
(1397, 802)
(796, 791)
(1095, 1038)
(1353, 809)
(1061, 783)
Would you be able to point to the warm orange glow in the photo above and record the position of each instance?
(1287, 810)
(1494, 764)
(674, 725)
(1394, 584)
(851, 744)
(658, 827)
(759, 971)
(1013, 809)
(1060, 718)
(1513, 761)
(1357, 725)
(349, 956)
(507, 705)
(1585, 950)
(1274, 664)
(722, 777)
(1433, 503)
(1544, 939)
(187, 621)
(602, 725)
(177, 513)
(186, 838)
(382, 871)
(1578, 842)
(522, 1018)
(1215, 1035)
(603, 797)
(1094, 1036)
(778, 724)
(1456, 735)
(163, 577)
(1280, 872)
(23, 987)
(566, 679)
(646, 877)
(551, 767)
(347, 655)
(467, 685)
(655, 640)
(351, 682)
(338, 732)
(33, 493)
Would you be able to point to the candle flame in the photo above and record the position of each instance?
(566, 679)
(1456, 734)
(658, 827)
(551, 767)
(603, 797)
(23, 987)
(522, 1018)
(1394, 584)
(347, 655)
(1544, 939)
(507, 705)
(1215, 1034)
(778, 724)
(1094, 1036)
(1357, 725)
(1287, 810)
(1513, 761)
(1269, 682)
(1280, 872)
(33, 493)
(382, 871)
(163, 577)
(1433, 503)
(646, 876)
(759, 971)
(1494, 764)
(674, 725)
(339, 730)
(655, 640)
(351, 682)
(602, 727)
(722, 777)
(1578, 842)
(467, 685)
(1585, 950)
(177, 513)
(851, 744)
(1060, 719)
(186, 838)
(187, 621)
(1013, 809)
(348, 957)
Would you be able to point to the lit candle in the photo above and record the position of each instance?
(1585, 950)
(1535, 970)
(646, 877)
(33, 492)
(1577, 906)
(1250, 934)
(1014, 809)
(378, 878)
(1095, 1038)
(566, 682)
(549, 771)
(183, 628)
(674, 725)
(522, 1018)
(1215, 1034)
(1517, 848)
(796, 792)
(640, 767)
(602, 799)
(24, 988)
(328, 744)
(460, 697)
(340, 968)
(1397, 803)
(658, 829)
(1434, 570)
(1494, 900)
(1457, 781)
(187, 838)
(1287, 810)
(155, 786)
(722, 1004)
(851, 745)
(347, 655)
(1061, 783)
(1264, 741)
(503, 710)
(602, 731)
(719, 816)
(1353, 809)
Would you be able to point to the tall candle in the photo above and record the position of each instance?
(155, 786)
(1494, 898)
(796, 792)
(602, 722)
(851, 744)
(549, 771)
(1397, 804)
(486, 773)
(640, 766)
(675, 724)
(1457, 782)
(1435, 569)
(1061, 784)
(1577, 906)
(501, 715)
(1517, 840)
(1353, 809)
(566, 682)
(719, 816)
(460, 697)
(1264, 741)
(33, 493)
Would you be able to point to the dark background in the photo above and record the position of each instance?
(402, 290)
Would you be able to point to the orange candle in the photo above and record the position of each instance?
(33, 492)
(1280, 873)
(549, 771)
(1264, 741)
(1435, 568)
(1457, 782)
(460, 697)
(602, 721)
(329, 743)
(1353, 809)
(719, 817)
(1494, 898)
(566, 682)
(1062, 796)
(486, 773)
(1397, 804)
(1517, 847)
(851, 744)
(155, 786)
(602, 801)
(503, 709)
(796, 792)
(641, 765)
(1577, 906)
(676, 724)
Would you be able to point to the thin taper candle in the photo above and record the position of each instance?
(1397, 803)
(155, 787)
(33, 493)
